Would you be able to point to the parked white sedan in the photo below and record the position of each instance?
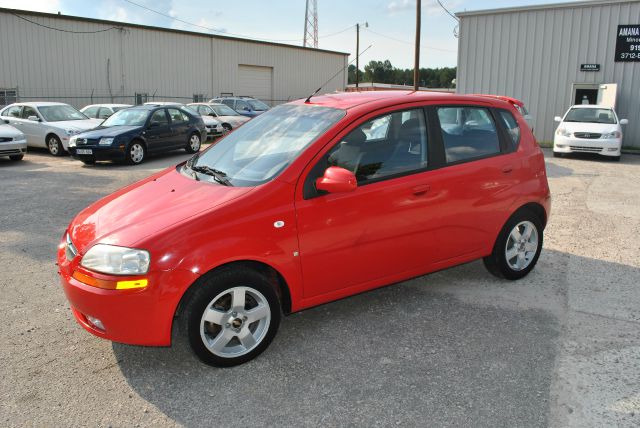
(102, 111)
(589, 128)
(13, 143)
(47, 124)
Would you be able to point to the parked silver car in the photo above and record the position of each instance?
(102, 111)
(229, 118)
(47, 124)
(13, 143)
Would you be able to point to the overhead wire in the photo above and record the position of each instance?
(226, 33)
(409, 43)
(62, 29)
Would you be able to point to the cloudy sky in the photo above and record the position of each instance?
(391, 22)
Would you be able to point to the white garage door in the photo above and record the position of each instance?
(255, 81)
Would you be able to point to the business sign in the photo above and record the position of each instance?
(589, 67)
(628, 43)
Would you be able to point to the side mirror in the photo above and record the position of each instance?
(337, 180)
(624, 121)
(557, 119)
(34, 118)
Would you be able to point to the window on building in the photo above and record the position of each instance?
(141, 98)
(198, 98)
(8, 96)
(468, 133)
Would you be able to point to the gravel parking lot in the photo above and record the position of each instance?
(456, 348)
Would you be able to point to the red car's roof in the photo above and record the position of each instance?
(347, 100)
(503, 98)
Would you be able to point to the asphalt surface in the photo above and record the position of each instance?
(456, 348)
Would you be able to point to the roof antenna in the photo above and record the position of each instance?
(331, 78)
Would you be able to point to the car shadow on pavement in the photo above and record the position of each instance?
(410, 354)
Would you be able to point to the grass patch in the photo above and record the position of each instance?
(545, 144)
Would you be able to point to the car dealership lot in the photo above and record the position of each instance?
(459, 347)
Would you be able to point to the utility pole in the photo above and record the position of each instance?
(416, 65)
(357, 54)
(366, 25)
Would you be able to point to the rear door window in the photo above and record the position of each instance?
(177, 116)
(13, 111)
(159, 117)
(104, 113)
(467, 133)
(28, 111)
(91, 111)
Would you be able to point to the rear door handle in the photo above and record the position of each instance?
(421, 190)
(507, 169)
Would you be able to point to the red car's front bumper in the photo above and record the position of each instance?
(138, 316)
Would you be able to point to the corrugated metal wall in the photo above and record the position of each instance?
(47, 64)
(535, 55)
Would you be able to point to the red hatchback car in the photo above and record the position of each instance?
(307, 203)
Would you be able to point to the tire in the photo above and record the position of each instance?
(512, 259)
(230, 337)
(16, 157)
(54, 145)
(193, 144)
(88, 161)
(557, 155)
(226, 128)
(615, 158)
(136, 153)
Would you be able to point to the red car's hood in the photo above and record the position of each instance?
(143, 208)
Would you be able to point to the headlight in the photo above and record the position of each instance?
(106, 141)
(615, 134)
(72, 141)
(110, 259)
(71, 131)
(563, 132)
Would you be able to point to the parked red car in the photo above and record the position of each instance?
(307, 203)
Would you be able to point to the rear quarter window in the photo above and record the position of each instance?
(511, 126)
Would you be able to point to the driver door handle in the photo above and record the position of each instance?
(507, 169)
(421, 190)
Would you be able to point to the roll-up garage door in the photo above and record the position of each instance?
(255, 81)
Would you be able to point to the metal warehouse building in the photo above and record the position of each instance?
(553, 56)
(82, 61)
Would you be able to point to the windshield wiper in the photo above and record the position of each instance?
(217, 175)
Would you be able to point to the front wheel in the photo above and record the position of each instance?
(193, 145)
(231, 317)
(136, 153)
(226, 128)
(517, 248)
(54, 145)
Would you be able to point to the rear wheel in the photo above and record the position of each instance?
(193, 145)
(16, 157)
(136, 153)
(54, 145)
(231, 317)
(518, 246)
(615, 158)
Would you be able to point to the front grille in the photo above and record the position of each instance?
(87, 141)
(587, 135)
(586, 149)
(10, 152)
(5, 139)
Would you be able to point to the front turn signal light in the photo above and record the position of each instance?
(110, 285)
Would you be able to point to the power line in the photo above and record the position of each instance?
(447, 10)
(409, 43)
(63, 30)
(244, 36)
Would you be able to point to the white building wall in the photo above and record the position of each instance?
(534, 54)
(45, 64)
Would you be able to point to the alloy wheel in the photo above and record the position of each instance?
(522, 245)
(235, 322)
